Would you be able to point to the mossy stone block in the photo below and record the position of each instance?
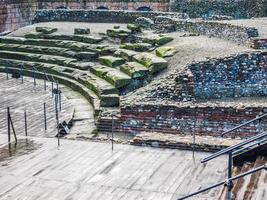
(134, 69)
(113, 76)
(45, 30)
(134, 27)
(118, 33)
(163, 40)
(82, 31)
(125, 54)
(165, 51)
(34, 35)
(111, 61)
(152, 62)
(141, 47)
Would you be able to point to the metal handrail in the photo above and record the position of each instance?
(232, 148)
(226, 182)
(244, 124)
(259, 143)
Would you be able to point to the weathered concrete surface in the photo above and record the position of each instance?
(87, 170)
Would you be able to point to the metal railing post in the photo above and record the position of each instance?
(44, 83)
(52, 85)
(34, 79)
(25, 123)
(229, 182)
(112, 133)
(259, 126)
(21, 74)
(45, 116)
(59, 100)
(57, 119)
(8, 124)
(6, 73)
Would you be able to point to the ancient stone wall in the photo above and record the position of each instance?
(242, 75)
(231, 32)
(214, 88)
(235, 8)
(118, 16)
(211, 121)
(18, 13)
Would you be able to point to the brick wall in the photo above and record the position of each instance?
(211, 121)
(18, 13)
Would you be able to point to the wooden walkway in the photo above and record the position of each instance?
(87, 170)
(20, 97)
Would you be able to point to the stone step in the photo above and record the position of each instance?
(59, 51)
(72, 45)
(107, 93)
(117, 78)
(51, 59)
(84, 91)
(79, 38)
(58, 60)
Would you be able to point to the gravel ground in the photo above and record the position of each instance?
(258, 23)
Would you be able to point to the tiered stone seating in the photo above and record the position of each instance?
(98, 71)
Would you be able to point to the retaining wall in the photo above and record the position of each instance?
(209, 121)
(242, 75)
(18, 13)
(227, 79)
(118, 16)
(235, 8)
(239, 34)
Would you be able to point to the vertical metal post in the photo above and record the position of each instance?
(59, 95)
(259, 126)
(56, 108)
(52, 85)
(6, 72)
(21, 73)
(44, 83)
(8, 124)
(45, 116)
(112, 133)
(230, 183)
(34, 79)
(25, 123)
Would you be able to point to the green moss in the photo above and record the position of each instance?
(157, 39)
(165, 51)
(152, 62)
(134, 27)
(111, 61)
(34, 35)
(163, 40)
(45, 30)
(113, 76)
(134, 69)
(136, 46)
(81, 31)
(59, 60)
(118, 33)
(125, 54)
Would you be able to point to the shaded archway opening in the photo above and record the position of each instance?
(102, 8)
(62, 7)
(144, 9)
